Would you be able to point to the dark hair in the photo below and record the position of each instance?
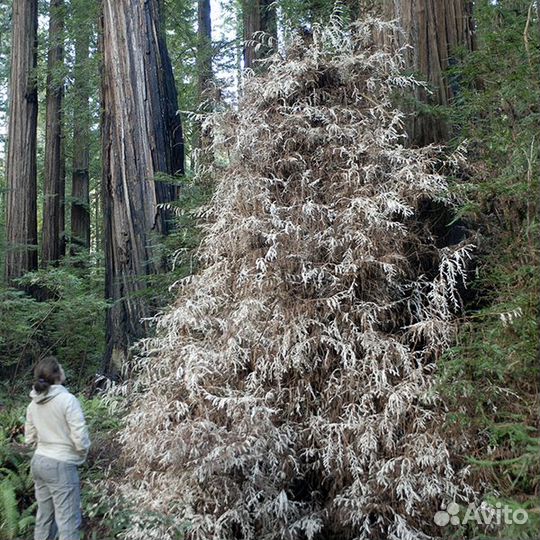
(46, 372)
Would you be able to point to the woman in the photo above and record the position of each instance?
(55, 421)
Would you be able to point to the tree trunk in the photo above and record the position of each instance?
(141, 136)
(434, 29)
(538, 29)
(202, 139)
(204, 47)
(259, 16)
(80, 206)
(21, 183)
(168, 154)
(97, 238)
(53, 246)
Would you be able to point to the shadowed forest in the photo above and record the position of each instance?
(287, 255)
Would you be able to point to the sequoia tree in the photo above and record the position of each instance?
(53, 246)
(141, 137)
(21, 186)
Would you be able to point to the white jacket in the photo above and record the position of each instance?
(55, 421)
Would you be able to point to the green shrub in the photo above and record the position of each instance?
(68, 321)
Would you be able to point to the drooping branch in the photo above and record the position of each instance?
(258, 16)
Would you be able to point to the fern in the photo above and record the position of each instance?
(9, 511)
(16, 484)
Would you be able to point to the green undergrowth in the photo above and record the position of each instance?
(490, 378)
(17, 505)
(58, 311)
(490, 381)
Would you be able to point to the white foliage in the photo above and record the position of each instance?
(509, 317)
(289, 392)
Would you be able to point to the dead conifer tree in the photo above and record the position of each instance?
(289, 392)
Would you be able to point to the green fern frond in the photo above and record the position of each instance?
(9, 512)
(16, 480)
(26, 522)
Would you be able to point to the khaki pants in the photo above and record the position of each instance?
(58, 496)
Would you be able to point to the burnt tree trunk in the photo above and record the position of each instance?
(168, 152)
(258, 16)
(53, 245)
(21, 183)
(80, 191)
(434, 29)
(141, 136)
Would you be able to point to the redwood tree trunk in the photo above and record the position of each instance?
(53, 246)
(204, 72)
(435, 29)
(21, 184)
(80, 206)
(259, 16)
(141, 136)
(204, 46)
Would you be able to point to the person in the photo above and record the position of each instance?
(55, 423)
